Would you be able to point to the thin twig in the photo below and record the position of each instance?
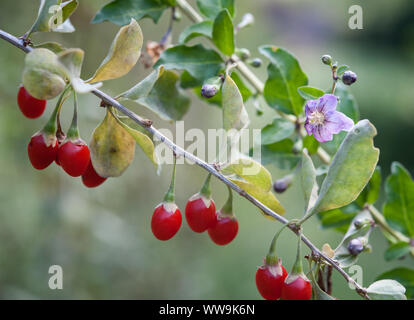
(210, 168)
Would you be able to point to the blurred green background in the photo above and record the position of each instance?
(102, 237)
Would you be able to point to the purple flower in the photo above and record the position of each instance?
(322, 119)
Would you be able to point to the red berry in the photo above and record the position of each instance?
(90, 178)
(42, 150)
(224, 229)
(30, 106)
(200, 213)
(74, 157)
(166, 221)
(297, 287)
(269, 281)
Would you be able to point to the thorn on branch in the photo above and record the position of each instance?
(147, 122)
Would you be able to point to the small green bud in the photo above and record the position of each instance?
(256, 62)
(243, 53)
(177, 15)
(327, 59)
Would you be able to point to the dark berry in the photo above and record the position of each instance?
(356, 246)
(349, 77)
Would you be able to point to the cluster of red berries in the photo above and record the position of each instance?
(71, 153)
(274, 283)
(201, 216)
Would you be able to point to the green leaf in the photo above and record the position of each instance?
(120, 12)
(142, 139)
(339, 219)
(278, 130)
(309, 184)
(211, 8)
(202, 29)
(397, 250)
(340, 71)
(160, 93)
(223, 33)
(285, 76)
(123, 54)
(351, 168)
(265, 197)
(310, 93)
(280, 154)
(371, 192)
(386, 290)
(199, 62)
(310, 143)
(399, 204)
(342, 255)
(405, 276)
(46, 20)
(234, 113)
(112, 148)
(52, 46)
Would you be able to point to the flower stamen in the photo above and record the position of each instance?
(316, 118)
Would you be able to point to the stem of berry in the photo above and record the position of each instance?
(271, 257)
(73, 132)
(227, 208)
(298, 266)
(170, 195)
(206, 189)
(50, 126)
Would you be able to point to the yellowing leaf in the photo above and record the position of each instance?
(142, 140)
(265, 197)
(112, 148)
(123, 54)
(234, 113)
(251, 171)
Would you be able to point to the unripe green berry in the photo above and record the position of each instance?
(243, 53)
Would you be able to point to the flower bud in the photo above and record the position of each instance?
(247, 20)
(256, 62)
(211, 87)
(356, 246)
(349, 77)
(243, 53)
(327, 59)
(281, 185)
(176, 15)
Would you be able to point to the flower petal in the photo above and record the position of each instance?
(327, 103)
(310, 107)
(322, 133)
(336, 121)
(309, 128)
